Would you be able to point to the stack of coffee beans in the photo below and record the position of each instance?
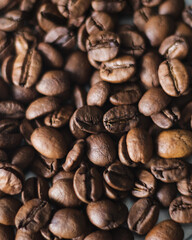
(101, 113)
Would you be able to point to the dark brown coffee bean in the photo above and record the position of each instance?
(185, 185)
(113, 194)
(41, 107)
(165, 194)
(119, 177)
(68, 223)
(173, 77)
(144, 185)
(153, 101)
(103, 46)
(178, 143)
(6, 45)
(101, 235)
(63, 175)
(101, 149)
(42, 140)
(180, 209)
(143, 215)
(82, 35)
(75, 156)
(11, 179)
(75, 130)
(166, 230)
(24, 235)
(6, 68)
(158, 28)
(171, 7)
(108, 6)
(187, 16)
(88, 184)
(106, 214)
(89, 119)
(121, 119)
(62, 193)
(11, 109)
(169, 170)
(33, 215)
(11, 21)
(27, 5)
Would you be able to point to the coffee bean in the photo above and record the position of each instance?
(178, 143)
(11, 109)
(171, 7)
(151, 3)
(165, 194)
(82, 35)
(121, 119)
(74, 128)
(187, 16)
(101, 235)
(185, 185)
(108, 6)
(166, 230)
(24, 235)
(185, 121)
(79, 96)
(27, 5)
(11, 21)
(106, 214)
(180, 209)
(6, 45)
(6, 68)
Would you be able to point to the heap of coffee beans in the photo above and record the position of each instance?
(100, 112)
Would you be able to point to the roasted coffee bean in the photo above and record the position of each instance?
(108, 6)
(89, 119)
(101, 149)
(171, 7)
(118, 70)
(33, 215)
(113, 194)
(101, 235)
(178, 143)
(121, 119)
(144, 185)
(180, 209)
(143, 216)
(75, 130)
(49, 142)
(158, 28)
(88, 184)
(46, 234)
(119, 177)
(6, 45)
(4, 4)
(153, 101)
(63, 194)
(151, 3)
(185, 185)
(11, 21)
(74, 156)
(165, 193)
(26, 130)
(98, 94)
(63, 175)
(35, 188)
(187, 16)
(11, 179)
(123, 153)
(95, 78)
(106, 214)
(79, 96)
(169, 170)
(103, 46)
(173, 77)
(68, 223)
(95, 64)
(166, 230)
(149, 67)
(82, 35)
(6, 68)
(11, 109)
(27, 5)
(24, 235)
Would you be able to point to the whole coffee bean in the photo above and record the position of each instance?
(54, 83)
(139, 145)
(151, 3)
(11, 21)
(68, 223)
(144, 185)
(89, 119)
(185, 185)
(158, 28)
(143, 215)
(169, 170)
(167, 117)
(98, 94)
(24, 235)
(113, 194)
(94, 63)
(63, 194)
(187, 16)
(186, 116)
(149, 67)
(173, 77)
(11, 109)
(141, 17)
(180, 209)
(166, 230)
(103, 46)
(41, 107)
(106, 214)
(11, 179)
(75, 130)
(8, 210)
(49, 142)
(101, 149)
(35, 188)
(27, 5)
(51, 56)
(101, 235)
(95, 78)
(79, 96)
(108, 6)
(6, 45)
(82, 35)
(121, 119)
(76, 22)
(153, 101)
(78, 67)
(171, 7)
(122, 233)
(123, 153)
(178, 143)
(165, 194)
(74, 156)
(6, 68)
(33, 215)
(69, 8)
(118, 70)
(88, 184)
(119, 177)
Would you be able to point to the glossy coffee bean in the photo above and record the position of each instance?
(6, 45)
(185, 185)
(101, 235)
(108, 6)
(11, 109)
(11, 21)
(171, 7)
(75, 129)
(187, 18)
(113, 194)
(79, 96)
(165, 193)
